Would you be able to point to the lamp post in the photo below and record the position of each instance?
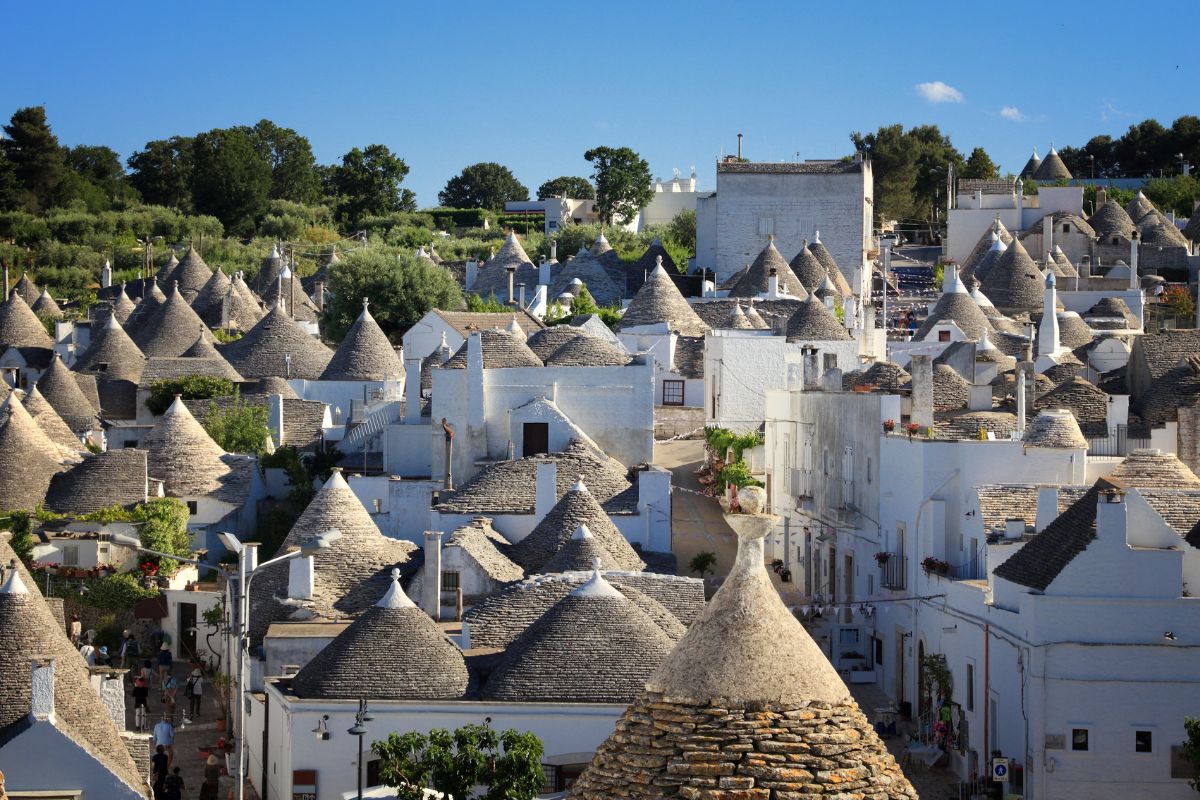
(246, 553)
(360, 730)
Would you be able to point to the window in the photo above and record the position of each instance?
(192, 507)
(943, 336)
(1080, 739)
(378, 505)
(102, 366)
(373, 773)
(130, 444)
(970, 686)
(450, 581)
(70, 556)
(1066, 228)
(766, 226)
(1143, 741)
(672, 393)
(1116, 240)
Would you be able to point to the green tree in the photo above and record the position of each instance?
(485, 185)
(164, 528)
(702, 563)
(402, 289)
(368, 184)
(189, 387)
(20, 525)
(97, 178)
(162, 172)
(622, 180)
(239, 427)
(1144, 149)
(1178, 193)
(117, 592)
(506, 764)
(10, 187)
(293, 168)
(909, 169)
(569, 186)
(490, 303)
(231, 178)
(1191, 749)
(38, 162)
(681, 230)
(980, 166)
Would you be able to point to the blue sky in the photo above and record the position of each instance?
(533, 85)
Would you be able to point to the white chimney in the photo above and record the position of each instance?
(1133, 259)
(301, 578)
(431, 592)
(1048, 336)
(106, 275)
(472, 273)
(1047, 507)
(1020, 399)
(1014, 528)
(921, 369)
(545, 489)
(772, 285)
(812, 369)
(42, 695)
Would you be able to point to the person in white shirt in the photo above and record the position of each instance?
(164, 734)
(89, 654)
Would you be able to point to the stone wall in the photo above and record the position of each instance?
(1189, 436)
(672, 747)
(677, 420)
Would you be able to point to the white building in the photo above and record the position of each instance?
(792, 201)
(670, 198)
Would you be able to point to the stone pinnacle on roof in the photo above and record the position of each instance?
(395, 596)
(742, 669)
(19, 326)
(365, 353)
(660, 301)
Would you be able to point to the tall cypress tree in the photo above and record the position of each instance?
(36, 158)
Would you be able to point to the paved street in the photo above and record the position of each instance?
(697, 522)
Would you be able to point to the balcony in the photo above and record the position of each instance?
(893, 571)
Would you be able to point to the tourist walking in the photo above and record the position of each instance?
(141, 704)
(75, 629)
(164, 663)
(164, 735)
(169, 689)
(158, 771)
(212, 779)
(193, 692)
(89, 654)
(173, 786)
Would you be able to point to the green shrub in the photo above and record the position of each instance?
(238, 428)
(737, 473)
(189, 387)
(117, 592)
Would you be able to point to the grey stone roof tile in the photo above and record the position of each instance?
(660, 301)
(264, 350)
(365, 354)
(111, 478)
(19, 326)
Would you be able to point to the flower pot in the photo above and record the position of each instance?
(220, 723)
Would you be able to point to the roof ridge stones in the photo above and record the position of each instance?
(365, 353)
(500, 350)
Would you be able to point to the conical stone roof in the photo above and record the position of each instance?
(1111, 220)
(1054, 427)
(813, 322)
(45, 306)
(1015, 283)
(831, 266)
(1139, 206)
(112, 354)
(28, 459)
(244, 308)
(151, 301)
(1192, 229)
(576, 507)
(546, 341)
(27, 289)
(885, 375)
(1052, 168)
(659, 300)
(58, 385)
(183, 455)
(1031, 166)
(123, 307)
(19, 326)
(170, 330)
(959, 307)
(756, 279)
(568, 655)
(808, 268)
(745, 682)
(263, 351)
(581, 552)
(30, 633)
(210, 300)
(349, 576)
(393, 651)
(501, 350)
(755, 318)
(268, 273)
(164, 272)
(273, 385)
(589, 351)
(365, 354)
(738, 320)
(191, 275)
(588, 270)
(50, 422)
(971, 264)
(492, 277)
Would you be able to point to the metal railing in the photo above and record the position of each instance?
(973, 570)
(1118, 442)
(893, 572)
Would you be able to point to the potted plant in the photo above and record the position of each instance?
(912, 429)
(222, 685)
(889, 425)
(935, 566)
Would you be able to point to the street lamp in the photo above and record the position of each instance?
(360, 730)
(246, 552)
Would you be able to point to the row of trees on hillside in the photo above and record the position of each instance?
(1147, 149)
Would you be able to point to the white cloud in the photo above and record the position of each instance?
(1012, 113)
(938, 92)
